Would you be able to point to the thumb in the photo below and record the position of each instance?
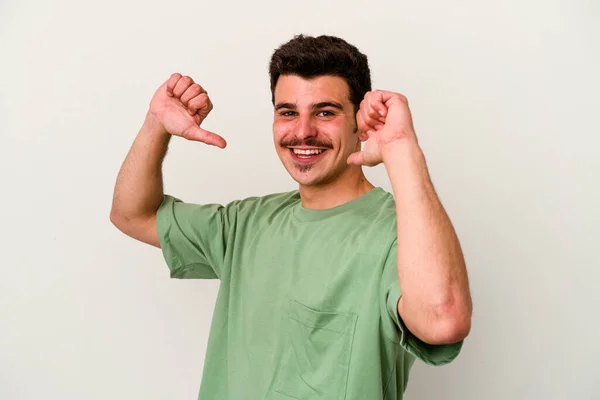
(201, 135)
(356, 158)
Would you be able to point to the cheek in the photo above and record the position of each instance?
(280, 130)
(341, 132)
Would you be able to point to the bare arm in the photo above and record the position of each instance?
(435, 304)
(177, 108)
(139, 188)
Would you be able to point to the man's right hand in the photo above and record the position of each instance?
(179, 106)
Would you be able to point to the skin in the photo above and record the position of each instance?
(316, 113)
(436, 303)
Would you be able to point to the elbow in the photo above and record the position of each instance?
(441, 324)
(452, 330)
(445, 324)
(451, 325)
(119, 221)
(115, 219)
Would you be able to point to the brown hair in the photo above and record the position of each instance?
(310, 57)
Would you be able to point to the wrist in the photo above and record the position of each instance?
(401, 149)
(405, 165)
(153, 127)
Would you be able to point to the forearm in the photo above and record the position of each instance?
(139, 188)
(435, 304)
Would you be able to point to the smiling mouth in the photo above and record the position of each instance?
(306, 155)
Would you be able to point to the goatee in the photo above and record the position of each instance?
(303, 167)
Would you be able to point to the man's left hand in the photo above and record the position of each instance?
(383, 118)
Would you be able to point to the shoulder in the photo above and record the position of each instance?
(385, 205)
(381, 218)
(379, 207)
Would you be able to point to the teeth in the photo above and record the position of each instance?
(307, 152)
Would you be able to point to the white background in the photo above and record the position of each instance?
(505, 101)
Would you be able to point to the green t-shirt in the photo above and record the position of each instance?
(307, 304)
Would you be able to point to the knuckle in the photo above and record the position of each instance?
(193, 104)
(200, 101)
(362, 126)
(202, 98)
(196, 88)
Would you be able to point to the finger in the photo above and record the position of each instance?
(360, 123)
(356, 158)
(200, 104)
(367, 122)
(363, 136)
(182, 85)
(384, 96)
(373, 112)
(375, 116)
(173, 79)
(376, 106)
(379, 100)
(190, 93)
(201, 135)
(363, 121)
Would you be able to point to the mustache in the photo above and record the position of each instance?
(310, 142)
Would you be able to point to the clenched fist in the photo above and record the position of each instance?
(180, 105)
(383, 118)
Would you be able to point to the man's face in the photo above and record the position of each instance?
(314, 127)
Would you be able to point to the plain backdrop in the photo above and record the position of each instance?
(505, 102)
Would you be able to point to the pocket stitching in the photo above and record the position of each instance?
(349, 332)
(320, 327)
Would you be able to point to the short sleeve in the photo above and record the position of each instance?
(192, 238)
(397, 331)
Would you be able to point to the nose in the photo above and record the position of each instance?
(306, 127)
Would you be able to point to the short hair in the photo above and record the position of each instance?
(310, 57)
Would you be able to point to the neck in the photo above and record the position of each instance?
(345, 188)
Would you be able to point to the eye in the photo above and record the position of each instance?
(325, 113)
(287, 113)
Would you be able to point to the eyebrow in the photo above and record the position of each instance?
(315, 106)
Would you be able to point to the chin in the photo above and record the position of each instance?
(316, 176)
(318, 173)
(305, 178)
(307, 181)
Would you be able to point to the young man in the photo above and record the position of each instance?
(310, 303)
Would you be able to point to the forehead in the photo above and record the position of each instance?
(304, 92)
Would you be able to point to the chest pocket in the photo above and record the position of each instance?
(316, 355)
